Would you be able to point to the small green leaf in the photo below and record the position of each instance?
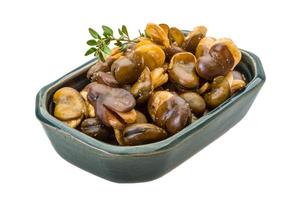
(92, 42)
(123, 47)
(118, 43)
(90, 51)
(94, 34)
(106, 49)
(120, 32)
(107, 30)
(122, 37)
(124, 30)
(107, 41)
(106, 35)
(101, 57)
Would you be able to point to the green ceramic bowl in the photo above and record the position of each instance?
(144, 162)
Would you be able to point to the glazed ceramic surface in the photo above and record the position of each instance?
(144, 162)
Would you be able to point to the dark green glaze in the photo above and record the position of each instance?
(144, 162)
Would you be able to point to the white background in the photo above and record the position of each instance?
(259, 158)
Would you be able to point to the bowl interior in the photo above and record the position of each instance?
(78, 80)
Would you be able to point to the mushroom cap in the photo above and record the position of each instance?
(155, 101)
(182, 70)
(157, 34)
(143, 133)
(69, 104)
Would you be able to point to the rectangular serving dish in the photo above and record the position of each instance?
(150, 161)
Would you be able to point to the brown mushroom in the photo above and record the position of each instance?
(192, 40)
(94, 128)
(104, 66)
(237, 85)
(176, 36)
(137, 134)
(182, 70)
(204, 45)
(234, 50)
(149, 55)
(128, 117)
(171, 51)
(157, 34)
(220, 91)
(125, 70)
(99, 66)
(105, 78)
(156, 100)
(195, 101)
(143, 88)
(108, 117)
(165, 27)
(159, 77)
(221, 58)
(69, 106)
(109, 103)
(116, 99)
(236, 81)
(169, 111)
(174, 114)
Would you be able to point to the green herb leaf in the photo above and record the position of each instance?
(107, 41)
(90, 51)
(106, 30)
(92, 42)
(123, 47)
(120, 32)
(124, 30)
(106, 49)
(122, 37)
(106, 35)
(100, 43)
(100, 56)
(94, 34)
(118, 43)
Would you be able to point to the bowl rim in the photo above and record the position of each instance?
(147, 149)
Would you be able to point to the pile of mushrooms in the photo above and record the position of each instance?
(154, 89)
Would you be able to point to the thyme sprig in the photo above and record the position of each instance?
(99, 45)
